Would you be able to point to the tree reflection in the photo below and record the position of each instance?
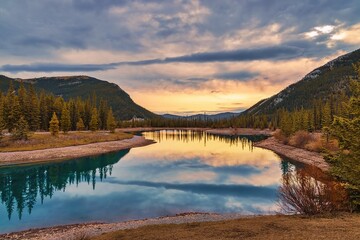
(200, 136)
(309, 191)
(24, 184)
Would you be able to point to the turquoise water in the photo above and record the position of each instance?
(183, 172)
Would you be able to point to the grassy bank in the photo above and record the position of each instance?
(262, 227)
(39, 141)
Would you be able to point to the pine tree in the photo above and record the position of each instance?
(2, 123)
(346, 162)
(286, 123)
(33, 109)
(80, 125)
(11, 108)
(44, 112)
(326, 115)
(22, 94)
(54, 125)
(111, 123)
(58, 105)
(87, 113)
(94, 122)
(103, 113)
(65, 119)
(21, 130)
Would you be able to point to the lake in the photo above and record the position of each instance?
(185, 171)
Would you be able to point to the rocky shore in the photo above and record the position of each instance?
(294, 153)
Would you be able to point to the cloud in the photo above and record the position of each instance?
(274, 53)
(53, 67)
(239, 75)
(246, 191)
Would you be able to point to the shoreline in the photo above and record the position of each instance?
(92, 229)
(248, 226)
(66, 153)
(295, 154)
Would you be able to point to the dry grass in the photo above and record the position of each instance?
(40, 141)
(314, 142)
(280, 136)
(263, 227)
(301, 138)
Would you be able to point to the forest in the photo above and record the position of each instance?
(23, 110)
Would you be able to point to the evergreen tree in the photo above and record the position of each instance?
(11, 108)
(87, 113)
(2, 123)
(22, 94)
(103, 113)
(94, 122)
(54, 125)
(80, 125)
(58, 106)
(65, 119)
(326, 115)
(33, 110)
(44, 110)
(346, 163)
(111, 123)
(21, 130)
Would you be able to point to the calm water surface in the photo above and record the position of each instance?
(183, 172)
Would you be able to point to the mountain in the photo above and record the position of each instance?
(333, 77)
(83, 86)
(218, 116)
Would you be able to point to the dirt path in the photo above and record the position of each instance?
(296, 154)
(37, 156)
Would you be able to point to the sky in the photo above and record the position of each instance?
(178, 56)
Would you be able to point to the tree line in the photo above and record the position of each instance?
(23, 110)
(315, 118)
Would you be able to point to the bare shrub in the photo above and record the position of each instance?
(300, 139)
(332, 145)
(316, 144)
(278, 134)
(308, 191)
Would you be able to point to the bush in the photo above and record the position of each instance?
(279, 135)
(315, 145)
(300, 139)
(308, 191)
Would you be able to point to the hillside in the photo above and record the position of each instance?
(83, 86)
(320, 83)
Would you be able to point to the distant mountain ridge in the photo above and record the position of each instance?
(320, 83)
(218, 116)
(83, 86)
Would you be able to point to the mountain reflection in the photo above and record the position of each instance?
(25, 183)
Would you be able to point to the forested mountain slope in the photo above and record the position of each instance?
(331, 78)
(83, 86)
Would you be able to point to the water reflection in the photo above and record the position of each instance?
(184, 171)
(201, 136)
(309, 191)
(24, 184)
